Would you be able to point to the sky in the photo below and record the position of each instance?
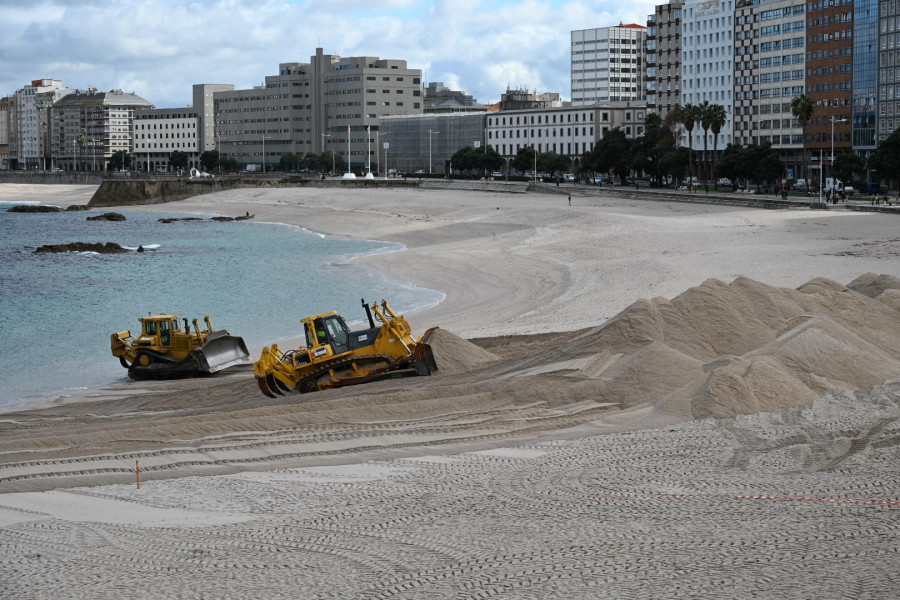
(158, 49)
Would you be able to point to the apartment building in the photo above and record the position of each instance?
(4, 134)
(888, 84)
(30, 125)
(608, 64)
(90, 126)
(330, 103)
(708, 62)
(663, 74)
(769, 71)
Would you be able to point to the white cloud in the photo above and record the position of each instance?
(160, 48)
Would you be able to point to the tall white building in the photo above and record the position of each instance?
(708, 62)
(608, 64)
(29, 129)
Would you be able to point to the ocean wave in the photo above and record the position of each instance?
(145, 246)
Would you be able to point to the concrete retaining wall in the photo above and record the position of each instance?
(50, 177)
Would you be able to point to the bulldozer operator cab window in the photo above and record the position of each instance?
(338, 334)
(150, 328)
(164, 333)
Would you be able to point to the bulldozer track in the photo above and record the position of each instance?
(342, 362)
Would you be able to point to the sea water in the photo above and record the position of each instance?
(257, 280)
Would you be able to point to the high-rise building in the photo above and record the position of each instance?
(888, 68)
(30, 124)
(865, 76)
(608, 64)
(330, 103)
(769, 71)
(707, 54)
(4, 133)
(90, 126)
(829, 80)
(664, 58)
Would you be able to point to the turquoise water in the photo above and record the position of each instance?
(254, 279)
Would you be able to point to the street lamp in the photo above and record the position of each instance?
(429, 148)
(833, 121)
(325, 135)
(264, 138)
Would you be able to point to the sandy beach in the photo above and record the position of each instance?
(634, 399)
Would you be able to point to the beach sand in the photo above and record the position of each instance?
(635, 399)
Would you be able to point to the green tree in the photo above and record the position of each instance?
(119, 160)
(705, 113)
(803, 107)
(885, 160)
(332, 161)
(717, 118)
(688, 115)
(490, 160)
(553, 163)
(312, 161)
(289, 161)
(228, 163)
(612, 154)
(846, 165)
(178, 159)
(209, 159)
(674, 163)
(525, 159)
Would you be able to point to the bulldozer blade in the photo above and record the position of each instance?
(425, 363)
(264, 387)
(220, 352)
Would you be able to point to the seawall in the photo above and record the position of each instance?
(161, 190)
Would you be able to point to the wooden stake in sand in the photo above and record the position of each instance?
(137, 473)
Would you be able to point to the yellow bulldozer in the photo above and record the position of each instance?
(334, 356)
(164, 350)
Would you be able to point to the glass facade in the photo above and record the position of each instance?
(865, 74)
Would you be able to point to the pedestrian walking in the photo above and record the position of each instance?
(570, 199)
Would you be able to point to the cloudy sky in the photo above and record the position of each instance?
(160, 48)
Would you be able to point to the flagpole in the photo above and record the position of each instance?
(348, 149)
(368, 149)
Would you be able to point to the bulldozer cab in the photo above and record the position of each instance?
(161, 326)
(329, 330)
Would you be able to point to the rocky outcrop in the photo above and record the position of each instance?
(77, 207)
(110, 216)
(34, 208)
(98, 247)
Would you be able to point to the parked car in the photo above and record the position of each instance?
(849, 190)
(569, 177)
(723, 181)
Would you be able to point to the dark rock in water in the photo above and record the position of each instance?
(173, 219)
(110, 216)
(34, 208)
(245, 217)
(221, 219)
(140, 249)
(98, 247)
(76, 207)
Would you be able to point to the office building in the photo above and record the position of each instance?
(330, 103)
(608, 64)
(708, 63)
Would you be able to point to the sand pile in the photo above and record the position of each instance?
(454, 355)
(719, 350)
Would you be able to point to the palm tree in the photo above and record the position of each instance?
(687, 116)
(705, 114)
(803, 107)
(717, 119)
